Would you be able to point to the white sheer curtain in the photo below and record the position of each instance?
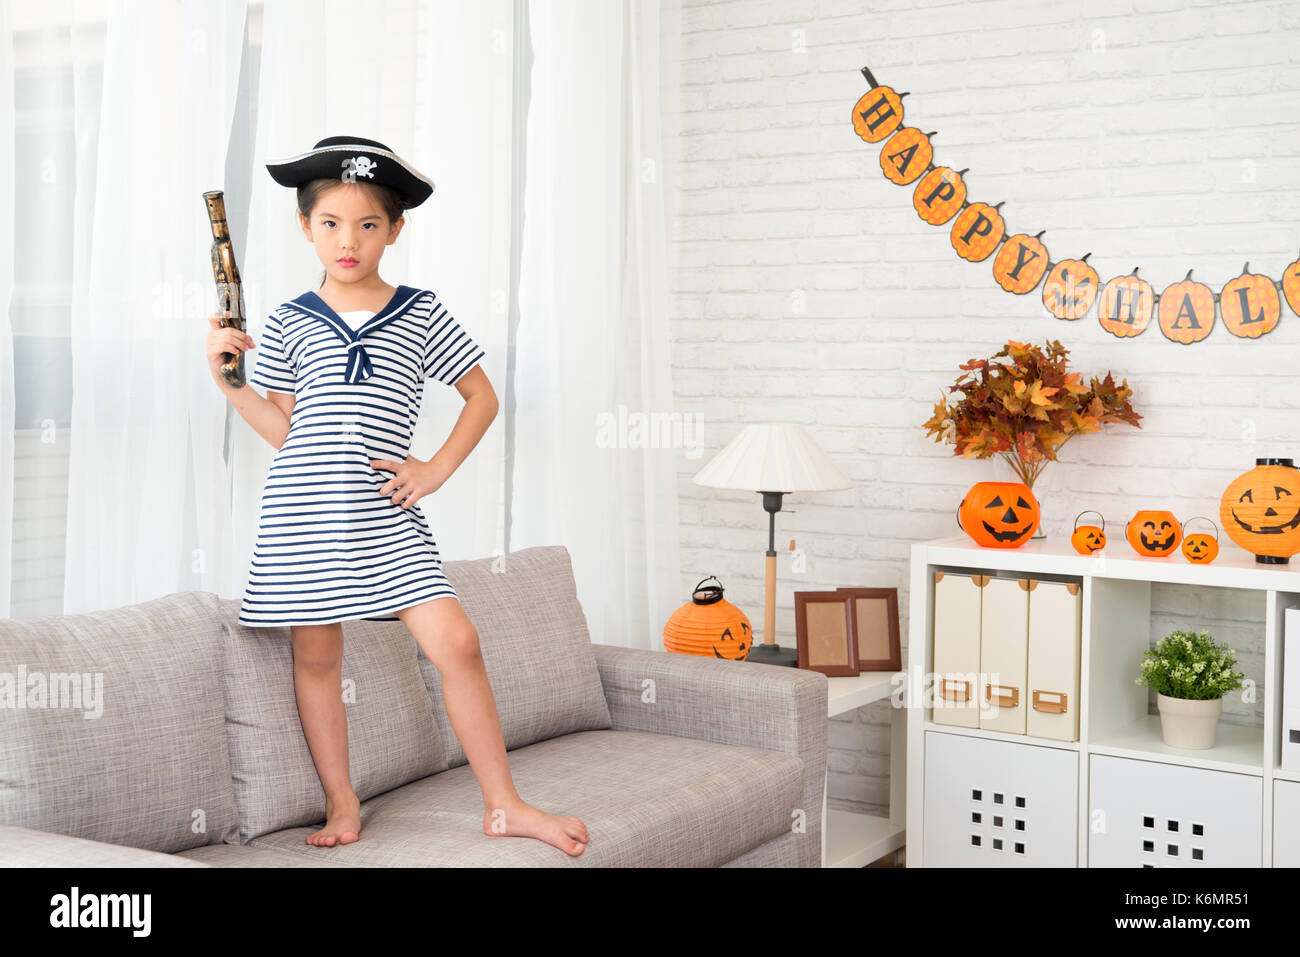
(593, 337)
(537, 121)
(162, 121)
(7, 235)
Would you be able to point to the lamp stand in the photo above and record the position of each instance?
(769, 652)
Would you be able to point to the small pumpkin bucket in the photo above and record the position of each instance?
(1087, 539)
(1198, 547)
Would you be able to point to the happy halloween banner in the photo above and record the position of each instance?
(1249, 305)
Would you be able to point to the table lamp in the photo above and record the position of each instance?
(773, 458)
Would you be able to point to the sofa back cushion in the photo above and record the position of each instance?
(392, 736)
(112, 725)
(536, 647)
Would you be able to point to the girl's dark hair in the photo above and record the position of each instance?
(309, 194)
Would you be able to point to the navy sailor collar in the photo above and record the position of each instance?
(358, 367)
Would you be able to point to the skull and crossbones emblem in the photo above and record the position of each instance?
(355, 166)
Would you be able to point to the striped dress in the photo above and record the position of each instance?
(329, 546)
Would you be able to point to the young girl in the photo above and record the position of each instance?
(340, 534)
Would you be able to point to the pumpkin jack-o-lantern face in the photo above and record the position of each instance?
(733, 646)
(999, 514)
(1272, 512)
(1260, 510)
(1087, 539)
(1004, 522)
(1201, 548)
(1159, 539)
(1154, 533)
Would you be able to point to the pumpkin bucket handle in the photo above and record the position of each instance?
(1203, 519)
(713, 593)
(959, 505)
(1094, 512)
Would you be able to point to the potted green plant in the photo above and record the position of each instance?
(1190, 674)
(1023, 404)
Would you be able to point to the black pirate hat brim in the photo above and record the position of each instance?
(359, 161)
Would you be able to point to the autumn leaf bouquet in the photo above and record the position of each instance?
(1023, 404)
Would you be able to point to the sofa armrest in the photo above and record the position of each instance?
(28, 847)
(740, 703)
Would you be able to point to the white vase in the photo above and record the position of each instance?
(1189, 724)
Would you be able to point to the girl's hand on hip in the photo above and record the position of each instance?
(413, 479)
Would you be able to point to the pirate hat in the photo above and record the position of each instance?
(354, 159)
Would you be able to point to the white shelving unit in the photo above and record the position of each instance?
(1114, 722)
(855, 840)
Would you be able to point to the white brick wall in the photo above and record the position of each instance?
(1163, 134)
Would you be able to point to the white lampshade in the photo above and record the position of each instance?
(773, 457)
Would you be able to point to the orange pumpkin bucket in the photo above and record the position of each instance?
(1198, 547)
(999, 514)
(1154, 533)
(1087, 539)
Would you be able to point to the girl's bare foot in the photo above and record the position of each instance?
(342, 822)
(518, 819)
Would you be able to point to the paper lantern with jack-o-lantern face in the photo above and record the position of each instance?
(1154, 533)
(1260, 511)
(709, 626)
(999, 514)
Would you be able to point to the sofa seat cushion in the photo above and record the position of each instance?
(122, 736)
(392, 735)
(536, 647)
(648, 800)
(246, 855)
(24, 847)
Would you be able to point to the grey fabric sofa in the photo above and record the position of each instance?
(165, 734)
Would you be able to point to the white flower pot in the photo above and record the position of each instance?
(1189, 724)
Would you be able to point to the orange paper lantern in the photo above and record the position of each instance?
(1260, 511)
(710, 626)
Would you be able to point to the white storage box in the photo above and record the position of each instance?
(1150, 814)
(1291, 690)
(1055, 632)
(998, 804)
(957, 601)
(1004, 654)
(1286, 824)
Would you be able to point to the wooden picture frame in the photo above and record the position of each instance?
(824, 631)
(875, 628)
